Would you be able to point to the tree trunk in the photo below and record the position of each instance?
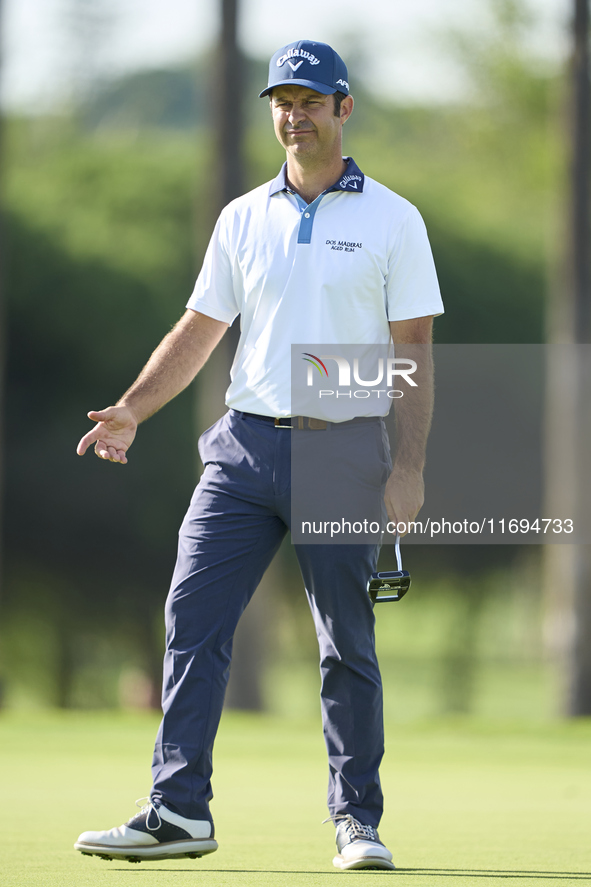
(2, 350)
(568, 567)
(229, 96)
(245, 686)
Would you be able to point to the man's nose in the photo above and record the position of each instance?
(296, 113)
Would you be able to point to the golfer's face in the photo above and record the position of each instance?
(305, 122)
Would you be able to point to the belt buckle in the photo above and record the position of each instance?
(302, 423)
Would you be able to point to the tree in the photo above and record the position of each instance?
(244, 688)
(2, 359)
(568, 567)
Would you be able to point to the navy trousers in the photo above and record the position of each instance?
(238, 515)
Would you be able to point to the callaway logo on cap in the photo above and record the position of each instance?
(305, 63)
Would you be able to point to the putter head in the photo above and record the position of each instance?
(389, 586)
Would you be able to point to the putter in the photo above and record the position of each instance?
(392, 585)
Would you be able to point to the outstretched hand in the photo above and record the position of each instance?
(112, 435)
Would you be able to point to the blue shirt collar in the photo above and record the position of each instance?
(351, 180)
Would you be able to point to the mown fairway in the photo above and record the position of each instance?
(467, 803)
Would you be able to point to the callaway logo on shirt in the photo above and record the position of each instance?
(351, 181)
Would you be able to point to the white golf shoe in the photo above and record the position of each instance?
(153, 833)
(359, 846)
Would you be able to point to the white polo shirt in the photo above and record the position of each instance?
(334, 272)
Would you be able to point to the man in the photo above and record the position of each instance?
(269, 260)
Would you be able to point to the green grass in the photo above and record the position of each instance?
(468, 802)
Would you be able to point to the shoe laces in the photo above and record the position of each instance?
(147, 806)
(353, 827)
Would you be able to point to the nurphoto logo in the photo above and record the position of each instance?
(387, 370)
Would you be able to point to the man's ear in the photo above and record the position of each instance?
(346, 108)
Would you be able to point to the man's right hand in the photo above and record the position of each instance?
(112, 435)
(173, 365)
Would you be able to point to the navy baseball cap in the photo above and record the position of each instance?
(306, 63)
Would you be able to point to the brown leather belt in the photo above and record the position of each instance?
(301, 422)
(307, 422)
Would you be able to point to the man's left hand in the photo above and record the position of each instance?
(404, 496)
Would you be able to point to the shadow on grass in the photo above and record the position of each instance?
(496, 873)
(440, 873)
